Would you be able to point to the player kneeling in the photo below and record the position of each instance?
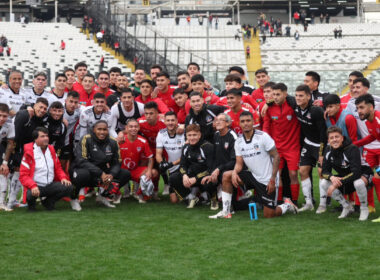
(133, 149)
(256, 150)
(344, 157)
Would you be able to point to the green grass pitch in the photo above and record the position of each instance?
(163, 241)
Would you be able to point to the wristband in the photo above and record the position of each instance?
(5, 162)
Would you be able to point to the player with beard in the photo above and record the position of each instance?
(256, 150)
(13, 95)
(58, 93)
(70, 76)
(154, 70)
(138, 77)
(351, 78)
(146, 90)
(122, 82)
(114, 72)
(184, 81)
(57, 129)
(170, 142)
(38, 89)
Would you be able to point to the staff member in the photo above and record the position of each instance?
(41, 173)
(97, 163)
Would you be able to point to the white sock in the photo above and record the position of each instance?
(3, 188)
(306, 189)
(338, 196)
(323, 187)
(361, 191)
(226, 200)
(284, 208)
(14, 189)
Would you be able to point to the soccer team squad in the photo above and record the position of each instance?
(114, 138)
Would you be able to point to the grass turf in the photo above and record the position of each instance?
(163, 241)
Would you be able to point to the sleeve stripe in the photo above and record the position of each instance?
(25, 164)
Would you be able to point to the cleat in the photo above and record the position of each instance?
(81, 198)
(141, 200)
(166, 190)
(103, 200)
(306, 207)
(5, 208)
(116, 199)
(221, 215)
(156, 197)
(91, 193)
(214, 205)
(321, 209)
(293, 207)
(371, 209)
(75, 205)
(363, 213)
(346, 212)
(193, 202)
(376, 220)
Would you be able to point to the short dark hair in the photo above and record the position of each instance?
(151, 105)
(170, 113)
(99, 95)
(37, 131)
(246, 113)
(366, 98)
(103, 72)
(357, 74)
(163, 74)
(56, 105)
(180, 73)
(280, 86)
(99, 122)
(269, 85)
(42, 100)
(90, 76)
(126, 90)
(73, 94)
(234, 91)
(331, 99)
(333, 129)
(4, 108)
(68, 70)
(195, 93)
(150, 82)
(156, 66)
(80, 64)
(131, 120)
(179, 91)
(60, 75)
(304, 88)
(194, 64)
(314, 75)
(232, 78)
(362, 80)
(38, 74)
(193, 127)
(198, 77)
(237, 69)
(142, 69)
(115, 70)
(260, 71)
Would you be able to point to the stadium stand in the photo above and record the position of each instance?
(35, 47)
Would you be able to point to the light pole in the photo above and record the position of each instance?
(11, 18)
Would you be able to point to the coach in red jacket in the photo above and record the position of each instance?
(41, 173)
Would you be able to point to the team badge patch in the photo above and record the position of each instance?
(208, 119)
(289, 117)
(226, 145)
(256, 147)
(274, 118)
(139, 149)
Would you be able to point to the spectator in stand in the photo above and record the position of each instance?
(296, 35)
(248, 52)
(176, 19)
(63, 45)
(321, 18)
(101, 63)
(200, 20)
(116, 46)
(188, 19)
(216, 22)
(1, 51)
(339, 31)
(3, 41)
(336, 33)
(99, 37)
(296, 17)
(287, 28)
(327, 18)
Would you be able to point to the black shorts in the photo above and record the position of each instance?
(309, 155)
(66, 152)
(261, 195)
(366, 173)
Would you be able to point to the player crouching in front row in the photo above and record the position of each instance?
(353, 175)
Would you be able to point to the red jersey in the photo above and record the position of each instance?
(210, 98)
(78, 88)
(281, 123)
(132, 152)
(85, 98)
(244, 99)
(373, 130)
(162, 108)
(344, 100)
(258, 95)
(168, 99)
(150, 132)
(181, 115)
(108, 93)
(235, 126)
(351, 124)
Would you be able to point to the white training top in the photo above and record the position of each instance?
(52, 98)
(71, 120)
(88, 118)
(13, 100)
(172, 145)
(256, 156)
(44, 168)
(7, 131)
(31, 95)
(115, 114)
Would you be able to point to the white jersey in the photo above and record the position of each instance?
(7, 131)
(88, 118)
(115, 113)
(52, 98)
(31, 96)
(13, 100)
(255, 154)
(71, 120)
(351, 108)
(172, 146)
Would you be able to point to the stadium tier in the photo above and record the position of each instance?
(36, 47)
(317, 49)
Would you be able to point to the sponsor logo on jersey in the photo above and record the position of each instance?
(274, 118)
(208, 119)
(289, 117)
(138, 149)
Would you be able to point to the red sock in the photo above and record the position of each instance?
(376, 182)
(352, 196)
(346, 196)
(357, 199)
(279, 197)
(370, 198)
(295, 189)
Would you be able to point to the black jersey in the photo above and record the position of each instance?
(224, 151)
(57, 133)
(317, 95)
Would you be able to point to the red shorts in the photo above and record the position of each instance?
(137, 172)
(372, 157)
(292, 158)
